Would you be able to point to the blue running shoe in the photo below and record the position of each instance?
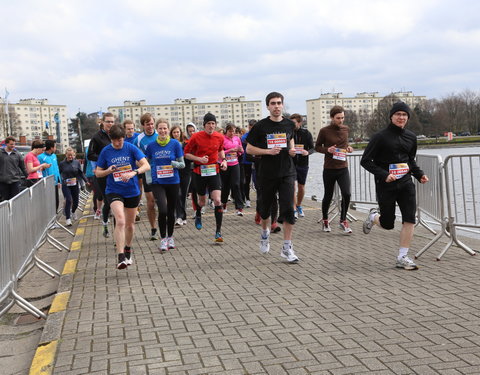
(300, 211)
(218, 237)
(198, 222)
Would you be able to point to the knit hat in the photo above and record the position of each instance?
(400, 106)
(209, 117)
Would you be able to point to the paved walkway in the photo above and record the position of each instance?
(227, 309)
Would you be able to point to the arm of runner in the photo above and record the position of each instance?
(179, 163)
(253, 150)
(223, 163)
(100, 172)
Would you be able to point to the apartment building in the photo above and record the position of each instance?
(363, 104)
(31, 118)
(232, 109)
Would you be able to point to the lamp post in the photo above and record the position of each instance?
(80, 131)
(7, 117)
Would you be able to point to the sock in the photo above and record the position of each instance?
(154, 231)
(127, 251)
(403, 251)
(265, 233)
(121, 257)
(218, 217)
(287, 244)
(372, 217)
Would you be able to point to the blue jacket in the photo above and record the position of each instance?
(53, 170)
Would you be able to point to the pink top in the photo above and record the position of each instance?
(32, 158)
(232, 156)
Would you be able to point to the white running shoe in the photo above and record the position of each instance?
(184, 222)
(170, 243)
(248, 204)
(179, 222)
(265, 243)
(163, 245)
(97, 215)
(345, 227)
(326, 226)
(74, 216)
(289, 254)
(240, 212)
(406, 263)
(368, 223)
(129, 261)
(68, 222)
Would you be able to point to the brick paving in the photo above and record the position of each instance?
(205, 308)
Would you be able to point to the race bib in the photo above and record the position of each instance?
(340, 154)
(164, 171)
(231, 157)
(279, 140)
(117, 175)
(208, 170)
(399, 169)
(71, 181)
(299, 149)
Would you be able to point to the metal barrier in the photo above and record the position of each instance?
(24, 223)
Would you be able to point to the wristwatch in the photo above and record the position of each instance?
(136, 170)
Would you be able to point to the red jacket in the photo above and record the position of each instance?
(202, 144)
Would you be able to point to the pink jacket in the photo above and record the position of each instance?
(232, 156)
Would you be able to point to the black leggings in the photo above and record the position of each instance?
(101, 185)
(231, 181)
(247, 174)
(166, 197)
(342, 177)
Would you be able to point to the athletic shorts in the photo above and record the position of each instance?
(131, 202)
(301, 174)
(403, 194)
(210, 182)
(147, 188)
(267, 190)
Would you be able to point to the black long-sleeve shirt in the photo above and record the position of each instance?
(71, 169)
(97, 143)
(391, 145)
(303, 137)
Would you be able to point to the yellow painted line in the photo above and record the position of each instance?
(80, 231)
(70, 266)
(76, 245)
(42, 363)
(87, 206)
(59, 303)
(83, 221)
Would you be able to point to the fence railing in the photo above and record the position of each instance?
(24, 223)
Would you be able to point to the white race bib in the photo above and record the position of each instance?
(164, 171)
(117, 175)
(299, 149)
(71, 181)
(279, 140)
(231, 157)
(208, 170)
(340, 154)
(399, 169)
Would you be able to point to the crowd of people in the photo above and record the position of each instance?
(216, 165)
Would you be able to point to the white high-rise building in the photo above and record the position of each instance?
(237, 110)
(31, 118)
(363, 104)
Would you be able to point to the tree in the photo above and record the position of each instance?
(381, 116)
(351, 120)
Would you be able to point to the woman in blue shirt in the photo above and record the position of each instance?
(166, 158)
(118, 162)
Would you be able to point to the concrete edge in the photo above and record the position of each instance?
(46, 353)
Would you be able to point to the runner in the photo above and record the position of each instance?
(166, 158)
(205, 149)
(49, 157)
(272, 138)
(303, 148)
(117, 163)
(231, 176)
(71, 173)
(148, 135)
(185, 175)
(131, 134)
(247, 164)
(98, 142)
(390, 156)
(332, 141)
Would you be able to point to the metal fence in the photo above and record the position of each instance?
(24, 224)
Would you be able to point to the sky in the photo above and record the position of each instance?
(89, 55)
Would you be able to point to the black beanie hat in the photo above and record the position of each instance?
(209, 117)
(400, 106)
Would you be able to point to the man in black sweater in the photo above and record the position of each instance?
(390, 156)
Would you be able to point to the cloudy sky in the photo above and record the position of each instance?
(93, 54)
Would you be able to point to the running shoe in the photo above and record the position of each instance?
(97, 215)
(163, 244)
(326, 226)
(68, 222)
(198, 222)
(105, 231)
(406, 263)
(218, 237)
(345, 227)
(179, 222)
(300, 211)
(224, 206)
(258, 219)
(296, 214)
(368, 223)
(203, 209)
(289, 254)
(128, 258)
(153, 234)
(122, 265)
(137, 217)
(240, 212)
(275, 228)
(170, 243)
(265, 243)
(184, 222)
(248, 204)
(74, 216)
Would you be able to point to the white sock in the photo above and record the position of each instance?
(287, 244)
(402, 252)
(265, 233)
